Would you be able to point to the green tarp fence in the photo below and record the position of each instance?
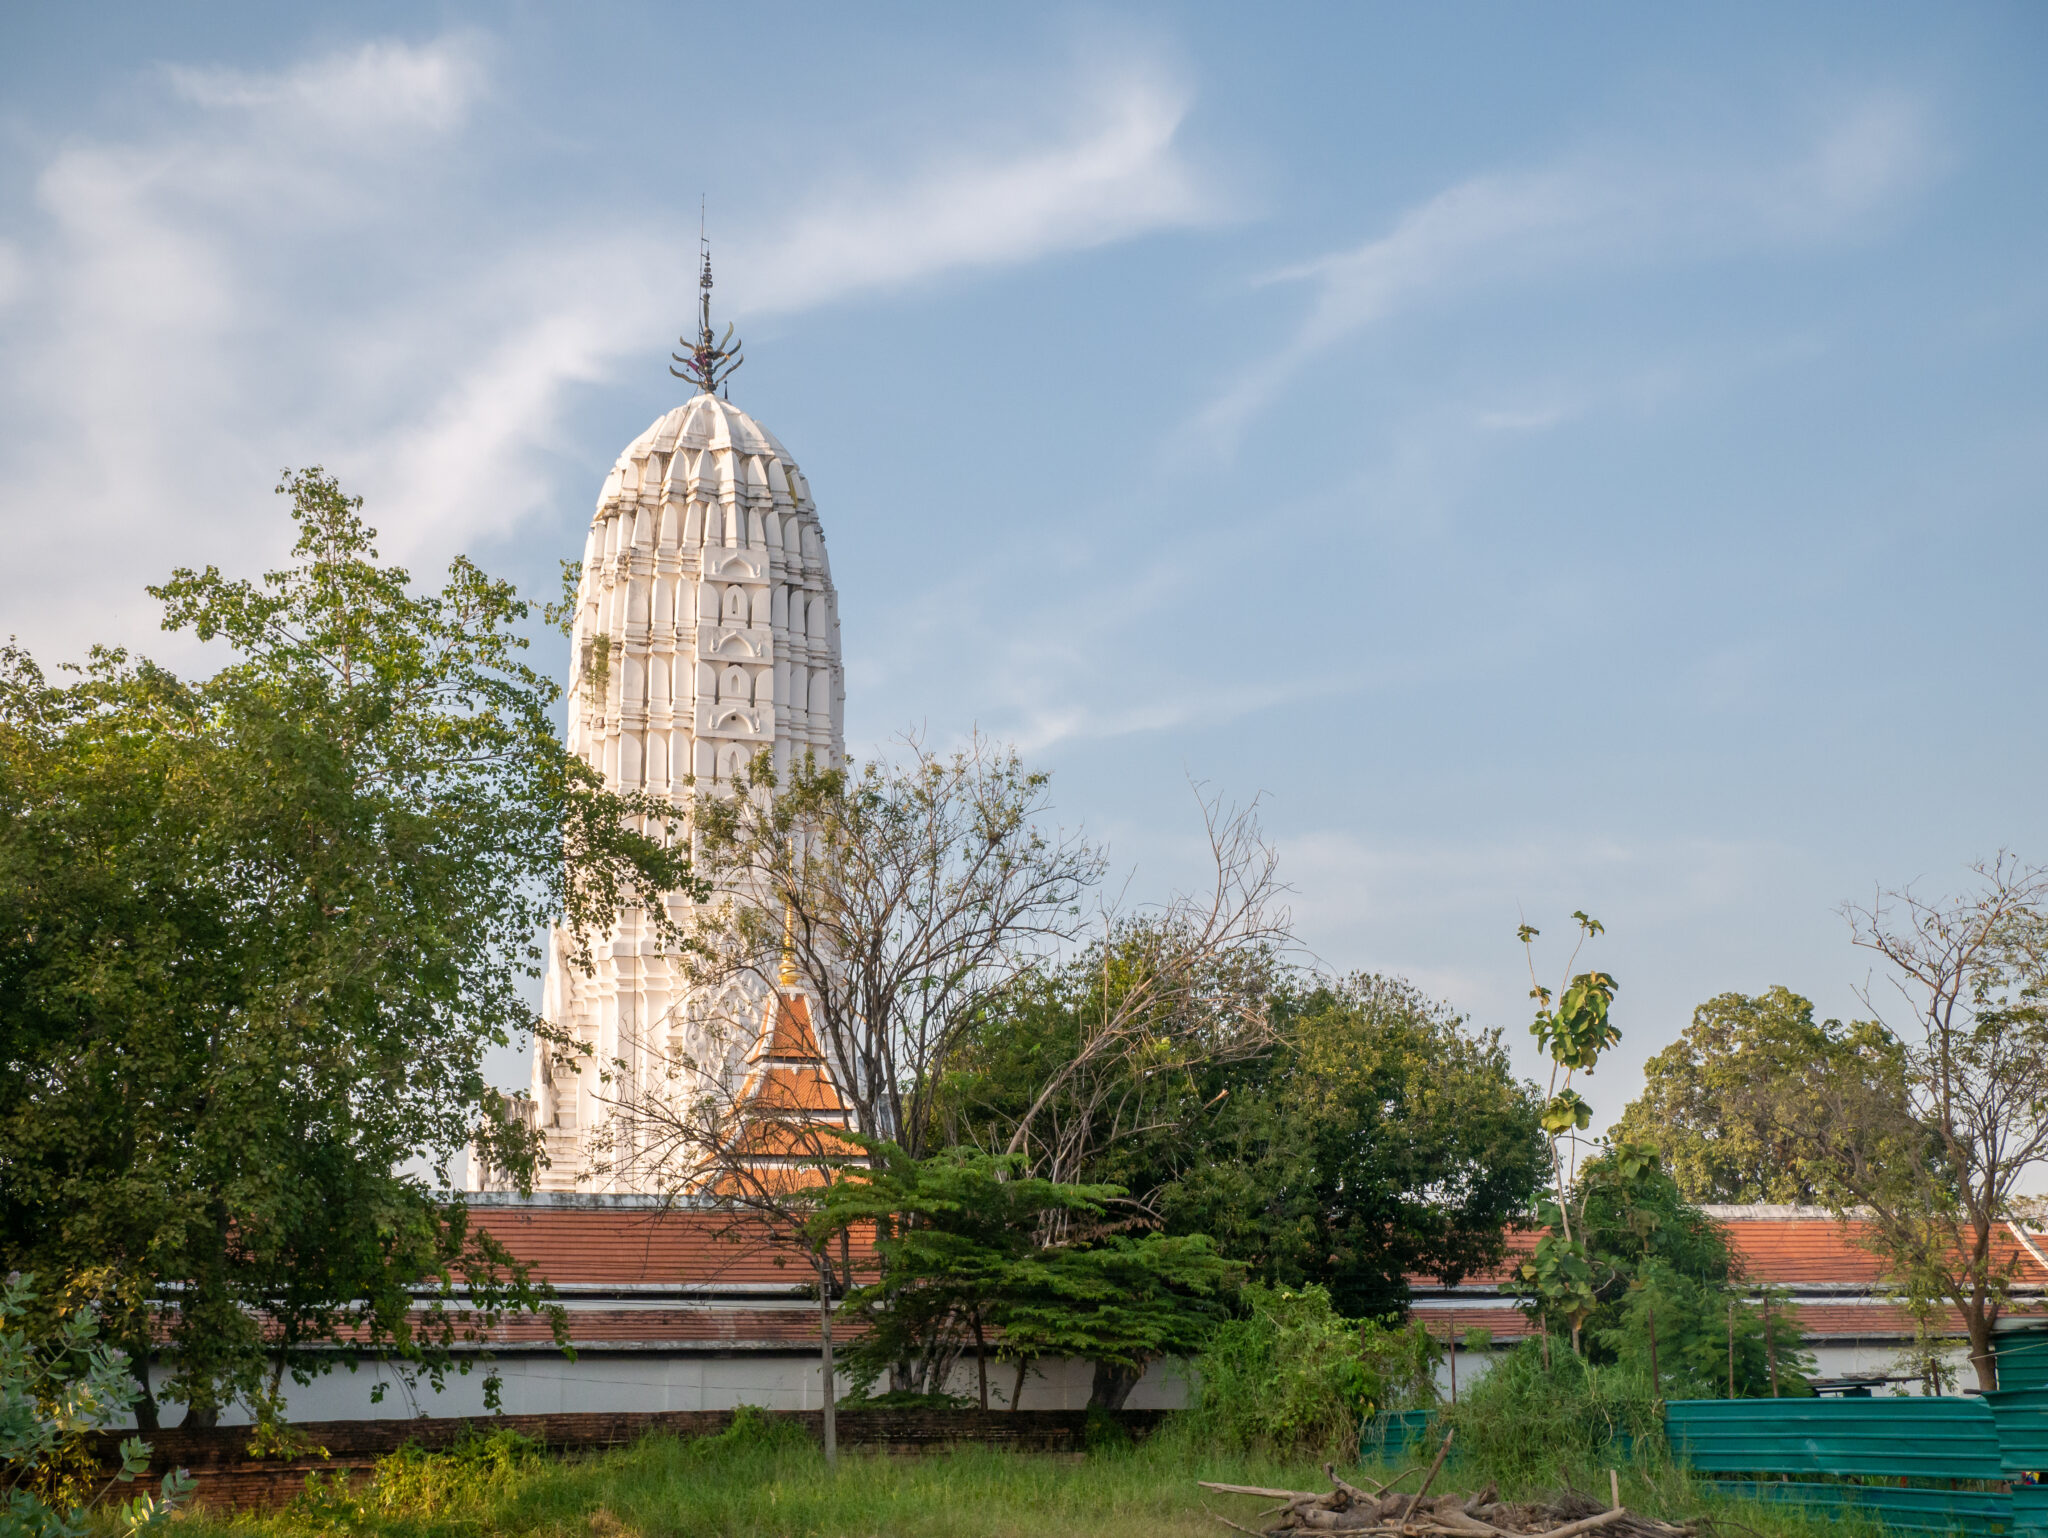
(1904, 1454)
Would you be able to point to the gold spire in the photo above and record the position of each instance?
(787, 975)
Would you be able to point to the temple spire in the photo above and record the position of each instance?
(709, 363)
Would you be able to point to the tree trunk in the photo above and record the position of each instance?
(1017, 1393)
(828, 1373)
(1112, 1386)
(981, 1359)
(145, 1401)
(1977, 1321)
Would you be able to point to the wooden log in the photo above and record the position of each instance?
(1587, 1524)
(1265, 1490)
(1442, 1453)
(1352, 1490)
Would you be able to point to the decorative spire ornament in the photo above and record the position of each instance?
(709, 363)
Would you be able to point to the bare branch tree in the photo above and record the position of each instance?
(1186, 985)
(1936, 1150)
(903, 895)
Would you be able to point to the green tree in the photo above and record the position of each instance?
(1573, 1026)
(970, 1246)
(257, 932)
(1726, 1102)
(1120, 1301)
(1378, 1139)
(1661, 1271)
(951, 1232)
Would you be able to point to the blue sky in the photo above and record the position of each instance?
(1556, 456)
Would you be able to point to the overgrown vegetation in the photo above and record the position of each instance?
(977, 1257)
(1293, 1376)
(1528, 1417)
(754, 1481)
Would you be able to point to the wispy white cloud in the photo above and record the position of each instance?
(1594, 213)
(1113, 170)
(379, 87)
(314, 263)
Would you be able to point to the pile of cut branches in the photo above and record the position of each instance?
(1384, 1512)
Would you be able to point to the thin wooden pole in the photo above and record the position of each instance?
(1656, 1384)
(1770, 1345)
(828, 1372)
(1731, 1348)
(1452, 1341)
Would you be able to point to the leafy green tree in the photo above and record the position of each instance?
(966, 1250)
(951, 1231)
(1370, 1137)
(1726, 1102)
(1120, 1301)
(257, 932)
(1663, 1270)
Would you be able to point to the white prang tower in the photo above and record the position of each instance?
(706, 630)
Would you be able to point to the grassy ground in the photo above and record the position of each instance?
(758, 1485)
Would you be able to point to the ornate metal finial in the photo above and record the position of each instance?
(709, 363)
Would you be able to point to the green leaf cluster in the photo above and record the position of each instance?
(59, 1384)
(1733, 1102)
(257, 932)
(974, 1253)
(1645, 1261)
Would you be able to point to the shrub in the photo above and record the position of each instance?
(478, 1466)
(752, 1430)
(57, 1385)
(1295, 1376)
(1524, 1422)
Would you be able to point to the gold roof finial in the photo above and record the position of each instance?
(710, 362)
(786, 976)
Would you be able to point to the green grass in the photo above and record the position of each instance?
(762, 1484)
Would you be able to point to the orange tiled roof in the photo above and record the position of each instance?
(610, 1245)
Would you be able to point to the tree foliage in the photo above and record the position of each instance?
(1726, 1103)
(1658, 1268)
(56, 1388)
(257, 932)
(1923, 1127)
(1366, 1135)
(971, 1248)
